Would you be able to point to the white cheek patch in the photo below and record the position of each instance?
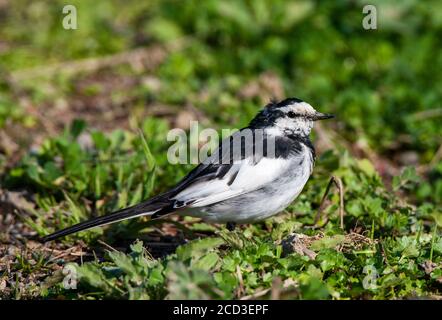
(298, 126)
(284, 123)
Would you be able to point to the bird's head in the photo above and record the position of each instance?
(289, 116)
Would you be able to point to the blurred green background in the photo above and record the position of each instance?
(72, 101)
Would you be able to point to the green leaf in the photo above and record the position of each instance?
(407, 176)
(367, 167)
(51, 171)
(100, 140)
(330, 259)
(125, 263)
(197, 248)
(207, 262)
(94, 276)
(137, 247)
(77, 127)
(150, 160)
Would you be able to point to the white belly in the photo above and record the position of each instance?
(262, 203)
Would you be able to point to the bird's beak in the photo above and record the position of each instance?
(322, 116)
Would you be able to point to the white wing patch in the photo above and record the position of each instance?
(249, 177)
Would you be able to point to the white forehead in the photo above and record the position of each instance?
(302, 108)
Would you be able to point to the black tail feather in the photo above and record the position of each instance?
(146, 208)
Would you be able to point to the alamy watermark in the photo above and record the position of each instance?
(70, 19)
(369, 281)
(370, 21)
(70, 277)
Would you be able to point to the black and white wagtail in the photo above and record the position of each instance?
(244, 180)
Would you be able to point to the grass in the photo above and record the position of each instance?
(87, 137)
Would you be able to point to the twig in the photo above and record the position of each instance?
(107, 246)
(240, 280)
(276, 289)
(435, 160)
(338, 183)
(256, 294)
(426, 114)
(153, 55)
(68, 252)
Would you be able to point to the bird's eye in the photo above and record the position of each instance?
(291, 114)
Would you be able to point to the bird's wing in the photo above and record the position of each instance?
(225, 181)
(228, 174)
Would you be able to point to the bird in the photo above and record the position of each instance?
(253, 174)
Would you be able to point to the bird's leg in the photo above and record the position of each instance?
(230, 226)
(338, 183)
